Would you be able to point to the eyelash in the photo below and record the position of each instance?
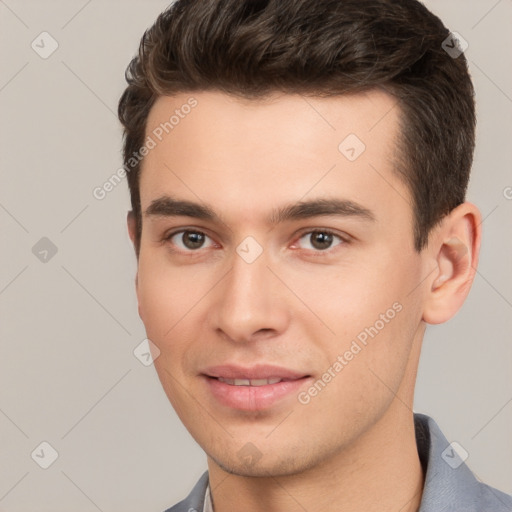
(344, 240)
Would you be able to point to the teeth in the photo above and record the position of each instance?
(259, 382)
(249, 382)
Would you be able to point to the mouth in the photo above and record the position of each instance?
(252, 389)
(250, 382)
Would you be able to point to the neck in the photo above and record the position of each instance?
(381, 472)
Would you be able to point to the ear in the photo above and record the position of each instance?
(132, 226)
(132, 232)
(453, 250)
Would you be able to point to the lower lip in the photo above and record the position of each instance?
(253, 398)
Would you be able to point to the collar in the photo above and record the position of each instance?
(208, 505)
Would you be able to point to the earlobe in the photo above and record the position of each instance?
(455, 247)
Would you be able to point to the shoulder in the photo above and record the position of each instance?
(493, 499)
(194, 502)
(449, 483)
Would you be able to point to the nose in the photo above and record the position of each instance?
(250, 302)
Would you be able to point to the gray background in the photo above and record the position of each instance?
(69, 325)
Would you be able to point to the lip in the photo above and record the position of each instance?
(252, 398)
(259, 371)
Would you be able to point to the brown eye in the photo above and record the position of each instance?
(319, 240)
(190, 240)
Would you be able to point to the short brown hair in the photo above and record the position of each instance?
(251, 48)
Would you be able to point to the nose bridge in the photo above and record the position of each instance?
(248, 300)
(247, 285)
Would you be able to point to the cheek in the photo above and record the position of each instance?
(156, 301)
(363, 307)
(164, 301)
(173, 301)
(348, 298)
(165, 294)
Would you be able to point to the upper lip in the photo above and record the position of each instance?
(259, 371)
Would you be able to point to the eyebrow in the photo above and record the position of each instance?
(167, 206)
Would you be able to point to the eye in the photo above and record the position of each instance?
(319, 240)
(189, 240)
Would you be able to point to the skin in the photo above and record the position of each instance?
(352, 446)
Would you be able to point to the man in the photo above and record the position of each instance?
(297, 174)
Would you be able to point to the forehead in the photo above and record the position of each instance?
(247, 155)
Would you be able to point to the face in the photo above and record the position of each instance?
(277, 273)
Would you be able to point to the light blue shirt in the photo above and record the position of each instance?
(450, 486)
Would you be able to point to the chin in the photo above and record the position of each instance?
(259, 467)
